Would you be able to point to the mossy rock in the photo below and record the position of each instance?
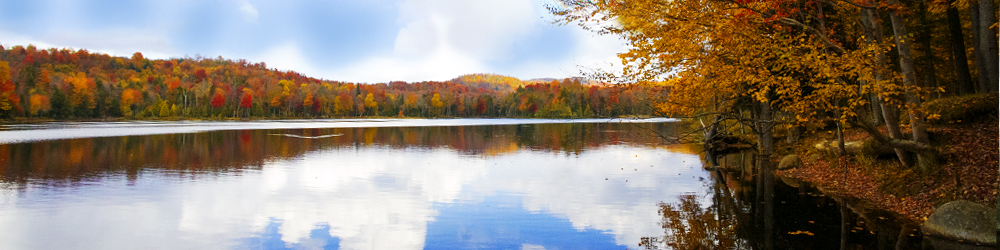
(790, 162)
(963, 221)
(868, 147)
(961, 109)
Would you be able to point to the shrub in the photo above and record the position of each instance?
(961, 109)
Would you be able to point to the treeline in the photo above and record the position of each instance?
(77, 84)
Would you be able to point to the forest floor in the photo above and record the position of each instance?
(968, 170)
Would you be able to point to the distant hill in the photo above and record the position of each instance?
(497, 82)
(489, 81)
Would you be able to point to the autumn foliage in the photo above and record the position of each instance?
(83, 85)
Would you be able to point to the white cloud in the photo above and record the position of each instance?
(441, 64)
(480, 29)
(442, 39)
(592, 53)
(532, 247)
(436, 39)
(249, 12)
(286, 56)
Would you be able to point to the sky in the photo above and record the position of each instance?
(346, 40)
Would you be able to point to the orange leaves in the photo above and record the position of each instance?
(8, 99)
(83, 90)
(130, 97)
(308, 100)
(218, 99)
(344, 103)
(37, 103)
(173, 85)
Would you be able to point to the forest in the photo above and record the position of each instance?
(890, 102)
(806, 64)
(39, 84)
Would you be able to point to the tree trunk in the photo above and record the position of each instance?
(909, 80)
(929, 75)
(982, 73)
(845, 224)
(961, 62)
(765, 126)
(876, 107)
(767, 176)
(873, 34)
(988, 41)
(841, 149)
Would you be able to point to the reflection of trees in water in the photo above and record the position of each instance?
(689, 226)
(730, 222)
(234, 151)
(753, 209)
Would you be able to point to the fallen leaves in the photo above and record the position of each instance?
(968, 171)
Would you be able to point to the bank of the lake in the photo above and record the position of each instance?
(968, 170)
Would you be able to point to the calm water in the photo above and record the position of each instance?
(401, 184)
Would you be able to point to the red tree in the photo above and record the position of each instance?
(200, 75)
(218, 100)
(316, 105)
(246, 101)
(481, 107)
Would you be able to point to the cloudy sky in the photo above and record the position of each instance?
(349, 40)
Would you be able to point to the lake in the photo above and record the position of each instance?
(404, 184)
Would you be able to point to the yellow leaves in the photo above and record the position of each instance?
(4, 71)
(436, 101)
(370, 101)
(801, 232)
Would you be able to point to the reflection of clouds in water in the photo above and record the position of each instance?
(371, 198)
(575, 188)
(8, 195)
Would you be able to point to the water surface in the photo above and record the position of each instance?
(411, 184)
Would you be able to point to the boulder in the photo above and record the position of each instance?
(860, 147)
(964, 221)
(791, 182)
(789, 162)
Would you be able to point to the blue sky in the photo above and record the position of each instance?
(348, 40)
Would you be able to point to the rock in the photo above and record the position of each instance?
(789, 162)
(860, 147)
(791, 182)
(964, 221)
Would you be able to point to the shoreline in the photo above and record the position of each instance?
(913, 196)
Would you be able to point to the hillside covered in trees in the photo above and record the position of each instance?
(78, 84)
